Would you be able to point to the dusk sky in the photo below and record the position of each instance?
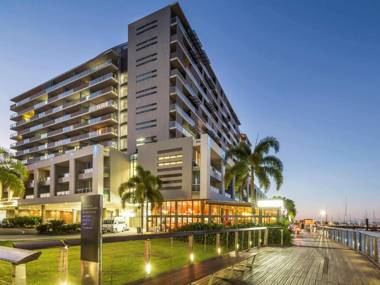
(306, 72)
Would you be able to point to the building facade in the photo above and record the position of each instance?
(154, 101)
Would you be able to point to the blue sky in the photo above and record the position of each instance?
(307, 72)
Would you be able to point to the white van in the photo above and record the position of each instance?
(114, 225)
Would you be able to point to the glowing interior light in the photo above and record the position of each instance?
(148, 268)
(219, 250)
(191, 257)
(270, 203)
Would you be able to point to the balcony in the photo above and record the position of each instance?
(216, 173)
(63, 83)
(175, 90)
(85, 174)
(101, 132)
(63, 193)
(65, 178)
(83, 87)
(184, 115)
(67, 106)
(28, 197)
(196, 188)
(44, 181)
(175, 125)
(44, 195)
(83, 190)
(215, 189)
(109, 104)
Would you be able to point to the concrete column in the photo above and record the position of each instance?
(205, 165)
(52, 180)
(74, 213)
(223, 170)
(43, 213)
(19, 274)
(36, 179)
(72, 175)
(98, 169)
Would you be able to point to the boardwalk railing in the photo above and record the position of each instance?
(176, 248)
(364, 242)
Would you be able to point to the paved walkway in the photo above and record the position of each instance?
(312, 260)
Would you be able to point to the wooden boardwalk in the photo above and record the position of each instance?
(312, 260)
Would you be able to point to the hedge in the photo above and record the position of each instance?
(21, 222)
(58, 227)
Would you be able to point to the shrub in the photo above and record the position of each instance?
(274, 234)
(21, 222)
(58, 227)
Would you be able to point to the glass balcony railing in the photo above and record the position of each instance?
(214, 189)
(77, 76)
(184, 131)
(178, 109)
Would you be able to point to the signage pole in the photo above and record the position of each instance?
(91, 239)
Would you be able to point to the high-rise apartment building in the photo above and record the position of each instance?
(154, 101)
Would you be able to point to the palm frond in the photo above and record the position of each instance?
(266, 144)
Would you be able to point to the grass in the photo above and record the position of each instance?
(122, 262)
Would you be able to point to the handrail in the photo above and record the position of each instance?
(367, 243)
(111, 239)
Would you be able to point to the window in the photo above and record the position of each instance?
(146, 124)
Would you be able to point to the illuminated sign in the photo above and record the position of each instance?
(8, 204)
(270, 203)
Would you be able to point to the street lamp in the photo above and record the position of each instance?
(324, 215)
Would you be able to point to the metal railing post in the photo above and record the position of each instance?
(282, 237)
(375, 249)
(259, 240)
(236, 241)
(368, 251)
(266, 237)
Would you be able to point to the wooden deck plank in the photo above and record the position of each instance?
(313, 260)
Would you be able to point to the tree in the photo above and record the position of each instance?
(142, 188)
(290, 207)
(13, 175)
(255, 165)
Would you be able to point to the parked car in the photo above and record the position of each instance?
(114, 225)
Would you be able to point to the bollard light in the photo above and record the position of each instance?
(250, 243)
(191, 257)
(148, 268)
(219, 250)
(237, 246)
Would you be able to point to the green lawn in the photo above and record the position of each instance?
(122, 262)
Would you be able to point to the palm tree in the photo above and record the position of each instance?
(13, 175)
(290, 207)
(142, 188)
(255, 165)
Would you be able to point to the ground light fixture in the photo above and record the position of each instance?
(219, 250)
(148, 268)
(191, 257)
